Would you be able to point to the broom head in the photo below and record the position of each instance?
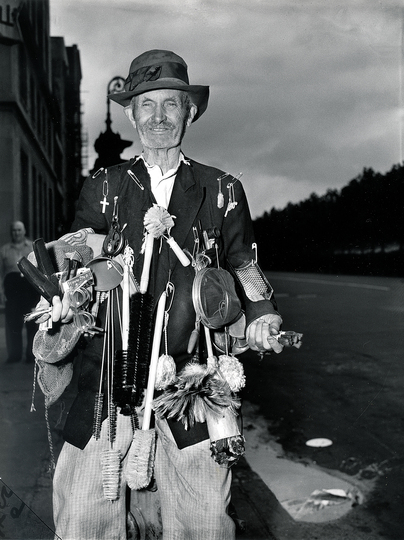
(140, 464)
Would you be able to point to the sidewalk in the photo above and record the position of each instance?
(24, 454)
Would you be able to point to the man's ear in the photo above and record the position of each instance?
(129, 113)
(192, 112)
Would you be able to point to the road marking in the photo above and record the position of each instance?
(341, 283)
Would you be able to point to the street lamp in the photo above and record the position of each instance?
(115, 85)
(109, 145)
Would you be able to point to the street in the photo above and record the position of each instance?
(344, 384)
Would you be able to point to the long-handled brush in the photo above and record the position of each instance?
(111, 458)
(148, 251)
(141, 453)
(125, 370)
(158, 224)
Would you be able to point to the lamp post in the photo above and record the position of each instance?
(115, 85)
(109, 145)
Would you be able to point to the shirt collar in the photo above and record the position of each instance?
(24, 244)
(182, 159)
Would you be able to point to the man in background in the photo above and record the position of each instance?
(17, 295)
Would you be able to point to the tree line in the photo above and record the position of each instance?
(357, 230)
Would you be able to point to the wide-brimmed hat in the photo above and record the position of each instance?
(158, 69)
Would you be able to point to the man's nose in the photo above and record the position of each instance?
(159, 113)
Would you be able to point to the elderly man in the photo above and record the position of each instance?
(19, 297)
(194, 489)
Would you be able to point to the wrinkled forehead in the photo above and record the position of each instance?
(161, 95)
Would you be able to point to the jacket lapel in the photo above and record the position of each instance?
(185, 202)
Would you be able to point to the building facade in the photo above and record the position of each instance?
(40, 122)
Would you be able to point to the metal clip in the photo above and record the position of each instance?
(97, 173)
(135, 179)
(232, 199)
(170, 290)
(220, 196)
(114, 241)
(254, 247)
(195, 250)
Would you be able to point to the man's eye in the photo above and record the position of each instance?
(171, 104)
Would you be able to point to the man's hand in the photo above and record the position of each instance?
(58, 311)
(61, 310)
(260, 331)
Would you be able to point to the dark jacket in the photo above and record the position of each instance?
(194, 204)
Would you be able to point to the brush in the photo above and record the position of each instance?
(123, 369)
(132, 362)
(158, 224)
(111, 457)
(141, 453)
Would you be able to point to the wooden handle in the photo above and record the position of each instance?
(148, 252)
(209, 347)
(125, 307)
(178, 251)
(158, 330)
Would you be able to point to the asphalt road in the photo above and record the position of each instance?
(344, 384)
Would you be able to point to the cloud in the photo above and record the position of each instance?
(304, 94)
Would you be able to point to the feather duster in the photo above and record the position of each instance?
(165, 373)
(196, 390)
(233, 372)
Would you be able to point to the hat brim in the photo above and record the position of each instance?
(199, 94)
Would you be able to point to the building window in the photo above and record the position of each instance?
(23, 77)
(38, 115)
(41, 207)
(32, 101)
(35, 206)
(58, 164)
(45, 210)
(51, 229)
(43, 126)
(25, 192)
(50, 139)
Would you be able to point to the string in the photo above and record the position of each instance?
(33, 409)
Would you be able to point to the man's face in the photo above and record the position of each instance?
(17, 232)
(161, 117)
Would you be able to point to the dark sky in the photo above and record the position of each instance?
(304, 94)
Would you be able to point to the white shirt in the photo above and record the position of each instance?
(162, 184)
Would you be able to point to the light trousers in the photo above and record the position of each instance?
(80, 509)
(194, 491)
